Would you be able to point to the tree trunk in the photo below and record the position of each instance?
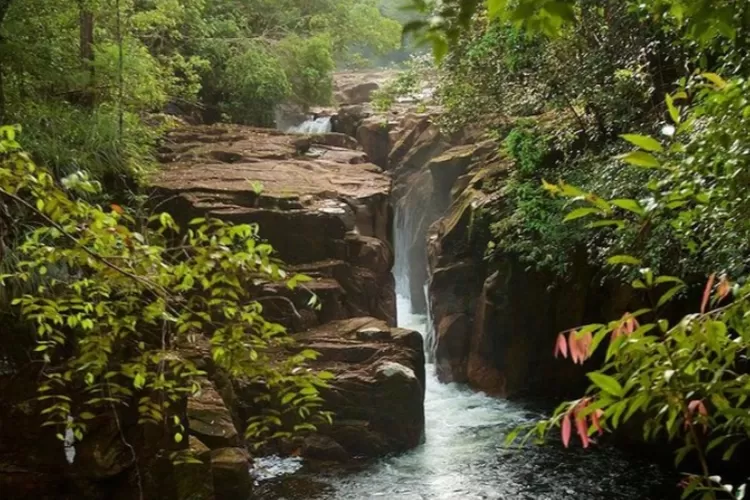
(87, 54)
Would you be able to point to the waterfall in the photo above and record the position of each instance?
(320, 125)
(429, 329)
(401, 252)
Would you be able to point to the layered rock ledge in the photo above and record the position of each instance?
(322, 206)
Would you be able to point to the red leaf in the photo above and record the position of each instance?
(566, 430)
(707, 292)
(724, 288)
(697, 405)
(561, 346)
(631, 324)
(583, 431)
(575, 348)
(580, 346)
(596, 420)
(117, 209)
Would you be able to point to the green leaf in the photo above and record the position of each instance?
(581, 212)
(627, 260)
(606, 383)
(669, 294)
(178, 438)
(640, 159)
(715, 79)
(674, 113)
(496, 7)
(629, 205)
(644, 142)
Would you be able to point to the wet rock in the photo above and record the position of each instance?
(377, 395)
(318, 447)
(231, 474)
(310, 208)
(210, 420)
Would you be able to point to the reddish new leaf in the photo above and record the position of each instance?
(582, 429)
(707, 292)
(117, 209)
(627, 325)
(697, 406)
(580, 346)
(566, 429)
(596, 420)
(561, 346)
(724, 288)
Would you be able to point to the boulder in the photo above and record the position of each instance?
(210, 420)
(319, 447)
(374, 135)
(377, 394)
(356, 87)
(231, 474)
(311, 196)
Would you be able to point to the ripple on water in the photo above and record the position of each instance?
(464, 457)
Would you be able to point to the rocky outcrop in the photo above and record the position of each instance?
(357, 87)
(378, 389)
(325, 210)
(328, 215)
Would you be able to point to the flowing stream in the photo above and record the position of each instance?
(320, 125)
(464, 456)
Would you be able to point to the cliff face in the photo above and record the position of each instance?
(327, 212)
(494, 323)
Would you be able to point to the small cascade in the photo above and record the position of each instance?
(401, 251)
(319, 125)
(429, 329)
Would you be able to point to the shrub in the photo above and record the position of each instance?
(254, 83)
(115, 302)
(308, 64)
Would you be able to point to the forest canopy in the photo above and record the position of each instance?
(215, 60)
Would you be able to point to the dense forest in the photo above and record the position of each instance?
(622, 133)
(590, 81)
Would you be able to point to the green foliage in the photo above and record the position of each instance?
(683, 379)
(527, 147)
(254, 84)
(529, 224)
(117, 301)
(700, 21)
(309, 65)
(409, 83)
(68, 139)
(220, 58)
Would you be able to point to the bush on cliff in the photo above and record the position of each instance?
(684, 378)
(114, 301)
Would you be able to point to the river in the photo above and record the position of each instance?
(464, 458)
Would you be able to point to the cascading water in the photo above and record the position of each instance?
(464, 454)
(320, 125)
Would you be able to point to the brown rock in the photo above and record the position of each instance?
(374, 136)
(319, 447)
(305, 209)
(377, 395)
(231, 474)
(210, 420)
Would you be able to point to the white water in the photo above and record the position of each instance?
(464, 457)
(464, 454)
(320, 125)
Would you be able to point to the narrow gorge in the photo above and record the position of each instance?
(362, 249)
(382, 212)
